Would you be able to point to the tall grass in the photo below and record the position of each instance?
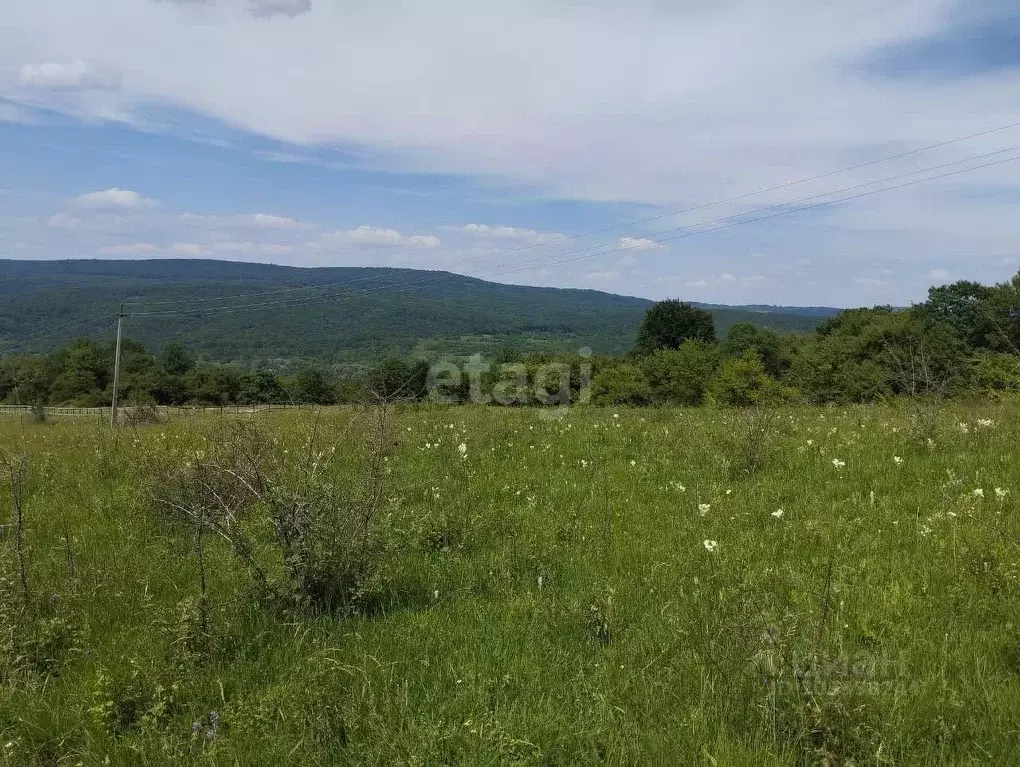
(611, 587)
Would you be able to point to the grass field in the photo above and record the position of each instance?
(610, 587)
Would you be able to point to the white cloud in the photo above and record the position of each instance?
(374, 236)
(423, 241)
(696, 284)
(70, 76)
(940, 275)
(727, 277)
(133, 249)
(269, 221)
(115, 198)
(529, 236)
(63, 221)
(638, 243)
(758, 93)
(244, 221)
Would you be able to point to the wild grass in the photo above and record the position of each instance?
(814, 586)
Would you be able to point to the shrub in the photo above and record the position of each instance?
(621, 385)
(326, 535)
(742, 382)
(681, 376)
(142, 415)
(996, 372)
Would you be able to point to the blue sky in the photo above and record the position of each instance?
(486, 138)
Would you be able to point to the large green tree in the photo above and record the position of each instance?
(668, 324)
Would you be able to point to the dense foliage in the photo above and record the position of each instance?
(964, 338)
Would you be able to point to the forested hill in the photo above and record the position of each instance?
(340, 314)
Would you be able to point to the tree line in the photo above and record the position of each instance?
(965, 338)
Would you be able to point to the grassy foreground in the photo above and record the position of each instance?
(610, 587)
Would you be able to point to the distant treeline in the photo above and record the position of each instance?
(964, 339)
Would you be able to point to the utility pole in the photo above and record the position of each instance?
(116, 367)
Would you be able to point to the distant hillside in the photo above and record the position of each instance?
(333, 315)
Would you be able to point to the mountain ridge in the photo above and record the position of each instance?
(255, 313)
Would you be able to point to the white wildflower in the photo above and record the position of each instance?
(979, 492)
(985, 423)
(778, 513)
(1000, 493)
(704, 508)
(633, 462)
(838, 464)
(462, 449)
(897, 460)
(710, 545)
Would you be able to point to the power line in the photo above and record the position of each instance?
(807, 208)
(775, 206)
(602, 230)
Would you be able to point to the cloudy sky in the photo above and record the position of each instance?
(733, 151)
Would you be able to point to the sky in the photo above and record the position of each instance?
(731, 151)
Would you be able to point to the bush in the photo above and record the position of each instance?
(743, 382)
(145, 414)
(996, 372)
(621, 385)
(681, 376)
(324, 514)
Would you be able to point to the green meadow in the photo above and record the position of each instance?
(484, 586)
